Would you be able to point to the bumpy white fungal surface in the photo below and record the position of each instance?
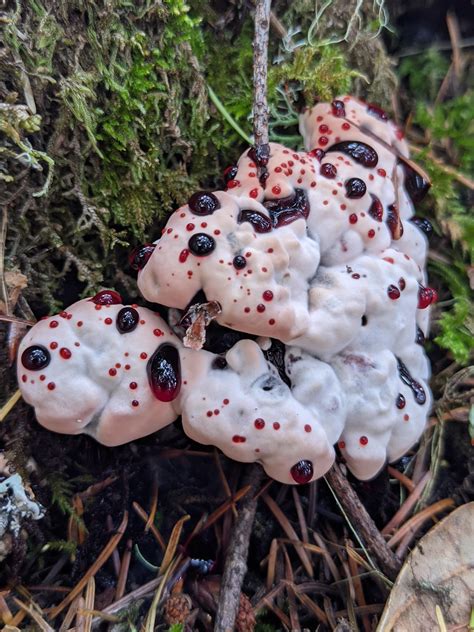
(321, 252)
(94, 378)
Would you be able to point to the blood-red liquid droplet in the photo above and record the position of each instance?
(183, 255)
(239, 262)
(328, 170)
(259, 424)
(376, 110)
(108, 321)
(302, 472)
(401, 401)
(393, 292)
(307, 428)
(53, 324)
(276, 425)
(260, 223)
(261, 308)
(135, 403)
(203, 203)
(376, 209)
(352, 218)
(401, 283)
(342, 445)
(51, 386)
(35, 358)
(164, 373)
(127, 320)
(426, 296)
(238, 439)
(360, 152)
(363, 440)
(355, 188)
(139, 257)
(106, 297)
(338, 108)
(112, 372)
(65, 353)
(133, 385)
(267, 295)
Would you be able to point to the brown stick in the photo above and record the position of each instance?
(363, 523)
(236, 559)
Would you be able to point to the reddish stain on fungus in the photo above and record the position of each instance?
(65, 353)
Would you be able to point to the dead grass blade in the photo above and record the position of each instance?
(327, 556)
(151, 616)
(5, 612)
(34, 612)
(153, 506)
(272, 559)
(290, 532)
(311, 606)
(9, 405)
(300, 514)
(419, 518)
(89, 604)
(173, 543)
(404, 480)
(70, 614)
(224, 481)
(100, 561)
(144, 516)
(124, 567)
(407, 506)
(359, 591)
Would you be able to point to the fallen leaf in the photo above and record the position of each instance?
(438, 572)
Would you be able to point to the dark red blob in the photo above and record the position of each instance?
(201, 244)
(393, 292)
(204, 203)
(238, 439)
(289, 209)
(35, 358)
(260, 223)
(139, 257)
(302, 472)
(363, 440)
(415, 184)
(418, 391)
(394, 223)
(230, 173)
(423, 224)
(261, 308)
(127, 320)
(267, 295)
(317, 153)
(353, 218)
(107, 297)
(53, 324)
(426, 296)
(360, 152)
(259, 423)
(376, 208)
(355, 188)
(402, 283)
(164, 373)
(420, 336)
(65, 353)
(239, 262)
(338, 108)
(328, 170)
(376, 110)
(401, 401)
(183, 255)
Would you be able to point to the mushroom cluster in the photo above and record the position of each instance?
(318, 250)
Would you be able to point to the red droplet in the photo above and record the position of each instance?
(406, 417)
(53, 345)
(24, 378)
(276, 190)
(393, 292)
(271, 321)
(307, 428)
(259, 423)
(323, 129)
(267, 295)
(371, 233)
(216, 411)
(342, 445)
(346, 126)
(143, 355)
(238, 439)
(108, 321)
(401, 401)
(253, 194)
(382, 172)
(323, 140)
(190, 226)
(232, 184)
(276, 425)
(338, 108)
(164, 373)
(53, 324)
(352, 218)
(127, 367)
(112, 372)
(302, 472)
(356, 275)
(246, 310)
(133, 385)
(260, 308)
(135, 403)
(63, 314)
(225, 401)
(51, 386)
(328, 170)
(65, 353)
(107, 297)
(183, 255)
(426, 296)
(209, 413)
(401, 283)
(79, 323)
(158, 332)
(363, 440)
